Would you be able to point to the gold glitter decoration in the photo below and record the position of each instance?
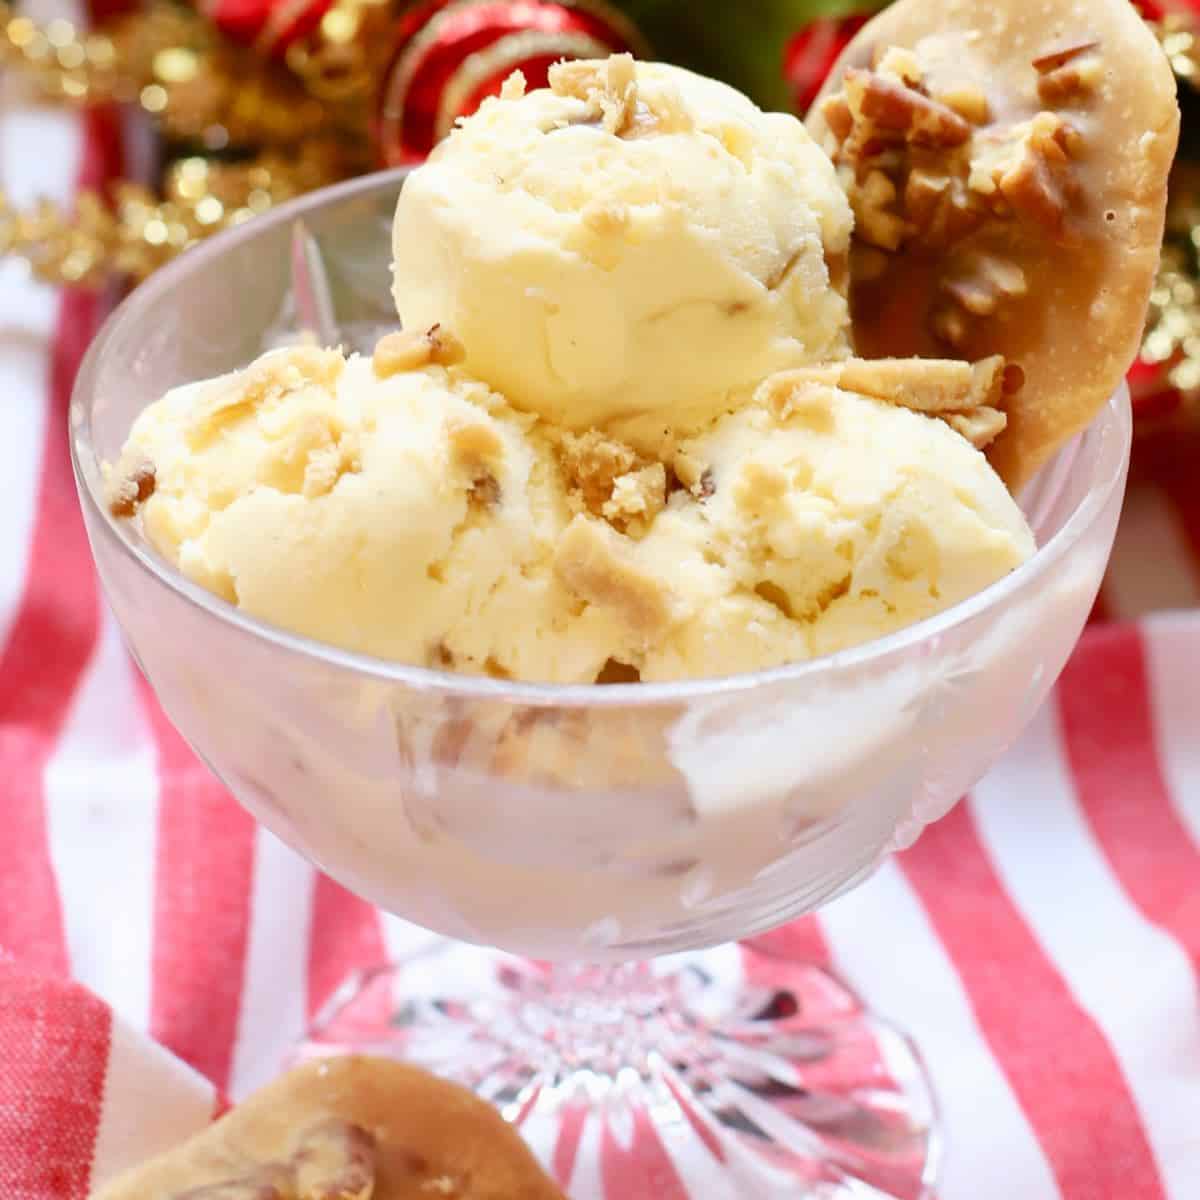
(1172, 337)
(139, 231)
(1171, 342)
(170, 61)
(60, 62)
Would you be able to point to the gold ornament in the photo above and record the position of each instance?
(139, 231)
(342, 59)
(170, 61)
(60, 62)
(208, 96)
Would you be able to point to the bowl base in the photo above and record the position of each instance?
(724, 1075)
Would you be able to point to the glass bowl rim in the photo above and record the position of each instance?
(143, 300)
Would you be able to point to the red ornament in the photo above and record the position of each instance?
(810, 55)
(270, 26)
(1158, 10)
(451, 54)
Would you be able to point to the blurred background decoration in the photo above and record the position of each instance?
(254, 101)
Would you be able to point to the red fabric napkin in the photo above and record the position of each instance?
(1042, 943)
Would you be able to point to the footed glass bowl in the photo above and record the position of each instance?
(587, 826)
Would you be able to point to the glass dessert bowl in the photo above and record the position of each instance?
(593, 827)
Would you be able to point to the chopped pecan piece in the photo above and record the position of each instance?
(408, 351)
(484, 492)
(837, 114)
(893, 111)
(608, 478)
(1070, 83)
(132, 487)
(597, 564)
(474, 443)
(965, 395)
(977, 286)
(1063, 52)
(637, 497)
(900, 63)
(969, 102)
(875, 221)
(980, 427)
(985, 283)
(608, 86)
(940, 208)
(334, 1160)
(950, 324)
(513, 87)
(592, 463)
(1029, 165)
(927, 385)
(693, 474)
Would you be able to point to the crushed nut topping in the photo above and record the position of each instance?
(981, 427)
(888, 110)
(875, 218)
(969, 102)
(484, 492)
(591, 463)
(474, 443)
(608, 478)
(1029, 167)
(513, 87)
(132, 486)
(975, 285)
(405, 350)
(984, 283)
(929, 172)
(597, 564)
(692, 474)
(940, 208)
(637, 497)
(966, 395)
(608, 85)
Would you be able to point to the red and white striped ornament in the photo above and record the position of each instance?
(270, 26)
(450, 54)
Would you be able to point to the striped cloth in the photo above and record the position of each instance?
(157, 950)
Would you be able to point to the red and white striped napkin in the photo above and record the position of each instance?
(157, 950)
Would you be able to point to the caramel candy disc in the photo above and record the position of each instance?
(1007, 163)
(347, 1129)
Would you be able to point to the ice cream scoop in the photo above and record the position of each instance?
(386, 506)
(824, 518)
(632, 247)
(395, 506)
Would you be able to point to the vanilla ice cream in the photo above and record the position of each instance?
(630, 249)
(398, 507)
(823, 519)
(410, 516)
